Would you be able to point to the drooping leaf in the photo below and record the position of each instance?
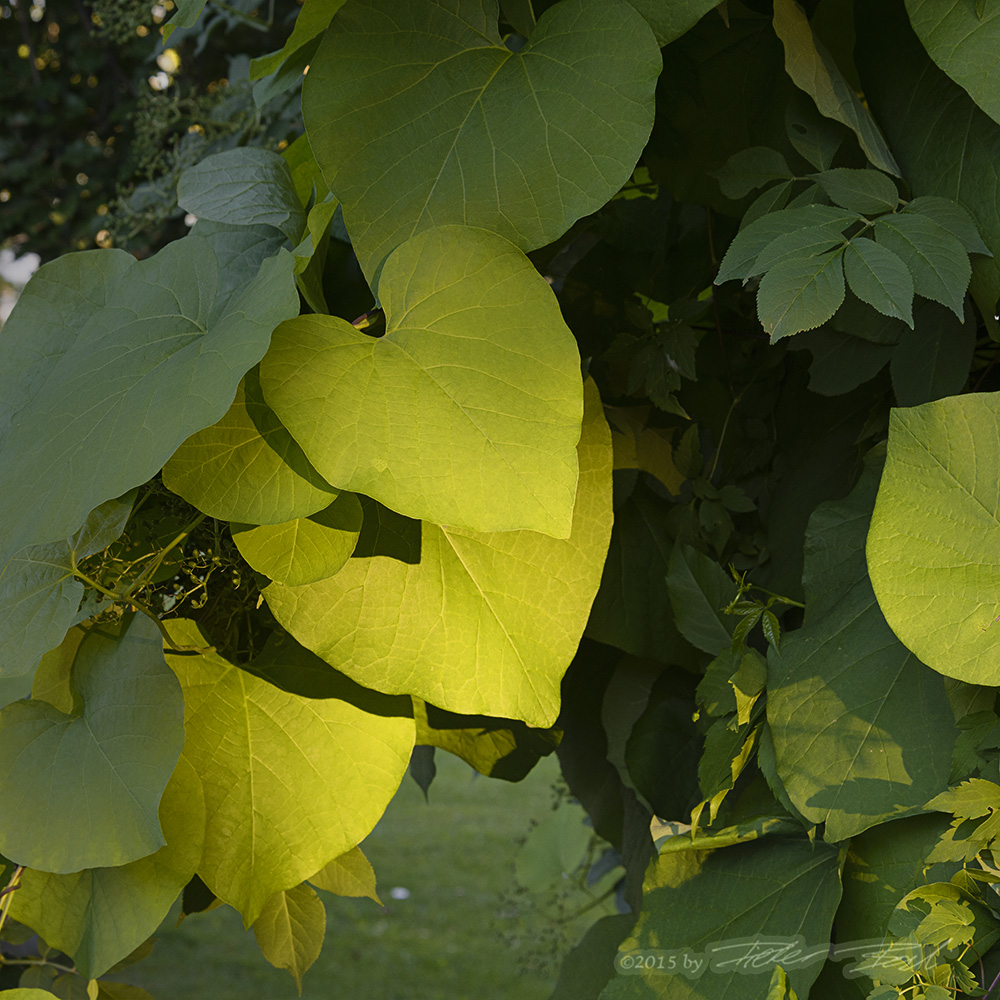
(246, 186)
(877, 276)
(467, 412)
(98, 916)
(113, 760)
(798, 295)
(499, 748)
(933, 359)
(750, 169)
(39, 595)
(290, 930)
(670, 19)
(247, 467)
(947, 146)
(714, 903)
(313, 19)
(290, 782)
(818, 221)
(186, 16)
(814, 71)
(350, 874)
(862, 730)
(937, 261)
(933, 553)
(484, 623)
(964, 43)
(305, 550)
(699, 589)
(815, 137)
(108, 365)
(408, 107)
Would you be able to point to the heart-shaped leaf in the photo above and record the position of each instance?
(419, 115)
(290, 782)
(484, 623)
(100, 915)
(247, 467)
(304, 550)
(467, 412)
(107, 364)
(112, 761)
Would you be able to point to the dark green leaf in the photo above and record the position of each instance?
(750, 169)
(877, 276)
(699, 588)
(869, 192)
(933, 359)
(800, 295)
(951, 216)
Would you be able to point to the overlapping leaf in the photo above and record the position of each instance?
(351, 874)
(669, 19)
(964, 41)
(290, 782)
(483, 623)
(108, 364)
(467, 412)
(39, 595)
(113, 759)
(290, 930)
(934, 544)
(247, 467)
(862, 730)
(419, 116)
(305, 550)
(100, 915)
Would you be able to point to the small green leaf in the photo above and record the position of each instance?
(772, 630)
(970, 800)
(951, 216)
(290, 930)
(305, 550)
(797, 246)
(800, 294)
(113, 760)
(869, 192)
(937, 261)
(186, 16)
(466, 412)
(698, 588)
(750, 169)
(877, 276)
(246, 186)
(313, 19)
(350, 874)
(672, 19)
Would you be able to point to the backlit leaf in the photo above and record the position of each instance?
(484, 623)
(466, 412)
(290, 782)
(934, 547)
(410, 110)
(290, 930)
(350, 874)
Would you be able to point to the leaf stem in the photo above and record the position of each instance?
(7, 894)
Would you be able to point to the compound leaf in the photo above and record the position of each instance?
(798, 294)
(869, 192)
(877, 276)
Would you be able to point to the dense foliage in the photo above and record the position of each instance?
(664, 439)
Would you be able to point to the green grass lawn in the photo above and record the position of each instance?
(462, 933)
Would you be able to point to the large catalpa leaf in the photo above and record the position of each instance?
(946, 144)
(39, 594)
(247, 467)
(466, 412)
(964, 40)
(111, 761)
(107, 364)
(483, 623)
(862, 730)
(100, 915)
(670, 19)
(714, 904)
(419, 116)
(934, 544)
(290, 782)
